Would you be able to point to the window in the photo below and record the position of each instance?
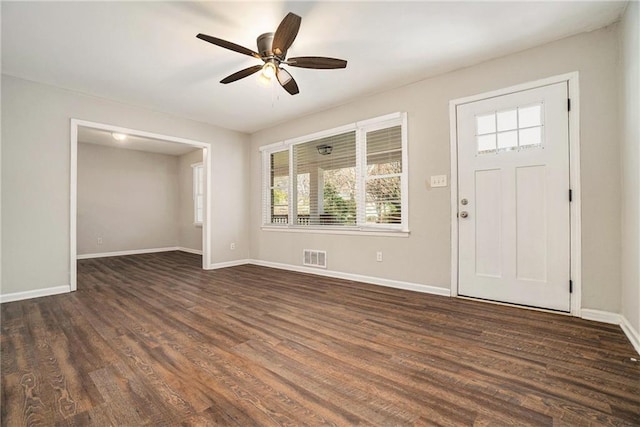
(351, 178)
(510, 129)
(198, 193)
(384, 176)
(279, 187)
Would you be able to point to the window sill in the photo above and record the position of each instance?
(197, 224)
(348, 231)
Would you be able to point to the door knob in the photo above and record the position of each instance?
(464, 214)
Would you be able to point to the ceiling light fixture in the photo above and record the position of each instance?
(324, 149)
(118, 136)
(269, 70)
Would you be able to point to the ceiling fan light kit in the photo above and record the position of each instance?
(272, 48)
(269, 70)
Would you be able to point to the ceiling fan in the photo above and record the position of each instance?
(272, 48)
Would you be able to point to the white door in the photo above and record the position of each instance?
(513, 198)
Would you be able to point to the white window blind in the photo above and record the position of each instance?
(198, 193)
(351, 178)
(383, 176)
(325, 171)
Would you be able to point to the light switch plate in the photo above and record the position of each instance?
(438, 181)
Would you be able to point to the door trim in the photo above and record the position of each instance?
(574, 177)
(73, 180)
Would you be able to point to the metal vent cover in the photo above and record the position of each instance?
(314, 258)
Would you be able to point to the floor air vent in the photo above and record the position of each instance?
(314, 258)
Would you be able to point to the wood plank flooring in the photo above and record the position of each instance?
(153, 340)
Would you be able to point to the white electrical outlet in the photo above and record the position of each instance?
(438, 181)
(232, 246)
(379, 256)
(99, 240)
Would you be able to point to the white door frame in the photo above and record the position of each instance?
(574, 177)
(73, 207)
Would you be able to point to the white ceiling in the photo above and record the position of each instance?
(133, 142)
(146, 53)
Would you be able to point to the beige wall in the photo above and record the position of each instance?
(630, 155)
(424, 257)
(189, 234)
(128, 198)
(36, 171)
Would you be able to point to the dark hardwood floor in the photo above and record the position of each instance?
(153, 340)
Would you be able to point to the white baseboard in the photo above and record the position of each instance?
(418, 287)
(614, 319)
(339, 275)
(601, 316)
(36, 293)
(189, 250)
(226, 264)
(131, 252)
(631, 333)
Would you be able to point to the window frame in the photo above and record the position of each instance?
(361, 129)
(198, 190)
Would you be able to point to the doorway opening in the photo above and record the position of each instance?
(153, 146)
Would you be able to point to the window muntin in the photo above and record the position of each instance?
(198, 193)
(359, 182)
(512, 129)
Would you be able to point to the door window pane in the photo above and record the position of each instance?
(508, 139)
(531, 136)
(487, 143)
(529, 116)
(486, 124)
(507, 120)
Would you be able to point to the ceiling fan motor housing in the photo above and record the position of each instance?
(265, 43)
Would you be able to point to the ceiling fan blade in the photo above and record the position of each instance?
(228, 45)
(286, 81)
(241, 74)
(286, 34)
(317, 62)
